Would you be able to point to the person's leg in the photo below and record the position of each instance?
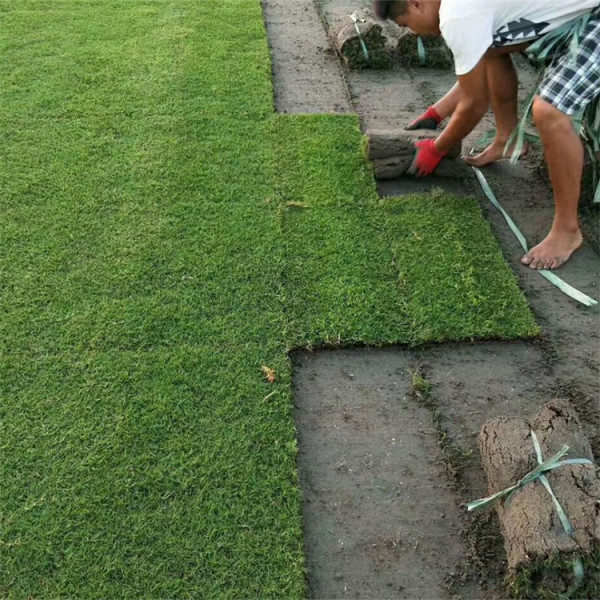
(569, 85)
(564, 156)
(502, 89)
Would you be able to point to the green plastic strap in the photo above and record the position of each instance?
(492, 198)
(518, 134)
(564, 287)
(542, 48)
(562, 515)
(543, 467)
(548, 465)
(421, 50)
(539, 473)
(360, 37)
(578, 576)
(578, 570)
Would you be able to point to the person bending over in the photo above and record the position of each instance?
(481, 35)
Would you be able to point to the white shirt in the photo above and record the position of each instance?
(471, 27)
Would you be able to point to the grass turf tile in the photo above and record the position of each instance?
(340, 281)
(456, 282)
(109, 470)
(321, 161)
(160, 279)
(109, 162)
(140, 58)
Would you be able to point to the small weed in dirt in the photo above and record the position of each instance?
(421, 387)
(454, 458)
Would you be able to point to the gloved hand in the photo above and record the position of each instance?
(427, 158)
(430, 119)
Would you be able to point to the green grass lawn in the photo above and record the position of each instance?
(164, 236)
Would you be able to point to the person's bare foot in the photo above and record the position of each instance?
(494, 152)
(554, 251)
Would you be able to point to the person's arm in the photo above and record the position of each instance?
(472, 105)
(435, 114)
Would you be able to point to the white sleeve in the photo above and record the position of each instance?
(468, 38)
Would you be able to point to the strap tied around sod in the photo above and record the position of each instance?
(420, 45)
(421, 51)
(360, 37)
(539, 473)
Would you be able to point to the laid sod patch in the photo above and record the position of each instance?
(425, 268)
(145, 279)
(321, 161)
(73, 58)
(340, 280)
(165, 236)
(160, 474)
(452, 271)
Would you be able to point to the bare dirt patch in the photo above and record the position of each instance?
(380, 518)
(306, 72)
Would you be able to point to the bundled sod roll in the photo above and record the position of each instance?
(398, 166)
(384, 143)
(437, 54)
(539, 551)
(347, 42)
(392, 153)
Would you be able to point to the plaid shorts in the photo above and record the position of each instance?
(573, 81)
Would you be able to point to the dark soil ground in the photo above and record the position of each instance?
(387, 437)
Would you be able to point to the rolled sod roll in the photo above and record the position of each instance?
(393, 151)
(347, 42)
(385, 143)
(534, 538)
(437, 54)
(393, 166)
(397, 166)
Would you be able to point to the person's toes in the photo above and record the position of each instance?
(544, 264)
(536, 263)
(558, 262)
(527, 259)
(482, 159)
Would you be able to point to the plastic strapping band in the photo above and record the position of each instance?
(360, 37)
(421, 50)
(539, 473)
(549, 275)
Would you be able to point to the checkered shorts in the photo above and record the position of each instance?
(572, 82)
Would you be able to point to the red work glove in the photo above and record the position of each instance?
(430, 119)
(427, 158)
